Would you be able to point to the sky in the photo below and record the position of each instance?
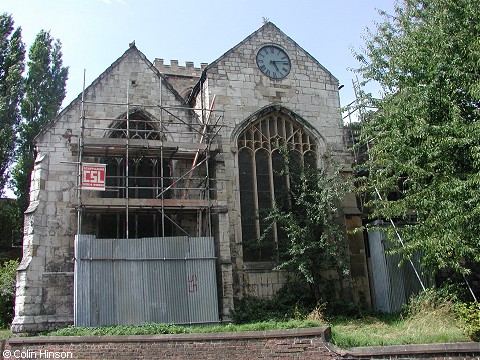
(94, 33)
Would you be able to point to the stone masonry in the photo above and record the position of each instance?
(308, 94)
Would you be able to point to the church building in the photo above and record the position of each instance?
(146, 189)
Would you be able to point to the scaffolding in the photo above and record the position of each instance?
(361, 155)
(156, 165)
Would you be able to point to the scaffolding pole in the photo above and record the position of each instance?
(162, 181)
(80, 159)
(359, 107)
(123, 139)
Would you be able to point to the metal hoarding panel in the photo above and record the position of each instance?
(128, 283)
(154, 285)
(136, 281)
(176, 279)
(201, 277)
(394, 280)
(380, 278)
(82, 281)
(102, 296)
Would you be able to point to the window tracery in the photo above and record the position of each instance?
(147, 177)
(263, 179)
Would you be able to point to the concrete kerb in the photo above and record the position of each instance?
(371, 352)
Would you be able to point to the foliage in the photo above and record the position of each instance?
(428, 317)
(37, 99)
(426, 133)
(7, 291)
(445, 302)
(312, 240)
(10, 223)
(470, 314)
(430, 300)
(153, 328)
(12, 56)
(425, 320)
(292, 301)
(44, 93)
(382, 329)
(5, 334)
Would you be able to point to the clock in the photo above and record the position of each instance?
(273, 61)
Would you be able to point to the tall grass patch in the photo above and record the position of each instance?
(428, 318)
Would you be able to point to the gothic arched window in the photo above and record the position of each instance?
(263, 178)
(144, 172)
(143, 175)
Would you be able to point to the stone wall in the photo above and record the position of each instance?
(242, 92)
(45, 277)
(183, 78)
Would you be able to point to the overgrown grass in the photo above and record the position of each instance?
(152, 329)
(5, 334)
(431, 327)
(395, 330)
(430, 317)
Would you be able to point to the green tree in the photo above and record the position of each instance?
(425, 136)
(10, 224)
(44, 93)
(8, 271)
(12, 56)
(306, 215)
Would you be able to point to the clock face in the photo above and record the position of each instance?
(273, 61)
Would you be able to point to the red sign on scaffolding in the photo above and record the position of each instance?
(93, 176)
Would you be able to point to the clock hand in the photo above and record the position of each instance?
(274, 64)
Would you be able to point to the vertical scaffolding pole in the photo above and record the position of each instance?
(80, 159)
(127, 160)
(165, 180)
(162, 174)
(207, 190)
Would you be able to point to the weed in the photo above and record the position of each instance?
(8, 271)
(153, 328)
(470, 314)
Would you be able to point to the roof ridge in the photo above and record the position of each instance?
(131, 49)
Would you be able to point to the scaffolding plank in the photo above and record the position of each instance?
(117, 146)
(107, 203)
(122, 142)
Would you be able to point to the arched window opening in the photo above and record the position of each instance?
(264, 179)
(146, 177)
(140, 126)
(140, 176)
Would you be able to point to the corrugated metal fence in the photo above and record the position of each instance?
(393, 284)
(136, 281)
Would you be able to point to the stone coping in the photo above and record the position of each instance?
(322, 331)
(414, 349)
